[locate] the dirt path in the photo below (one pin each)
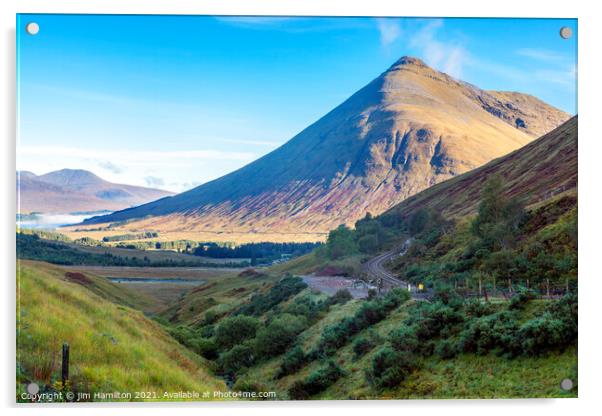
(331, 284)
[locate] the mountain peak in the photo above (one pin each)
(410, 60)
(71, 177)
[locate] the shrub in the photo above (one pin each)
(239, 357)
(341, 297)
(317, 381)
(275, 338)
(335, 336)
(404, 339)
(447, 296)
(446, 349)
(246, 385)
(430, 320)
(281, 291)
(210, 318)
(395, 298)
(543, 334)
(566, 311)
(390, 367)
(340, 243)
(305, 306)
(485, 334)
(364, 344)
(520, 299)
(207, 331)
(476, 308)
(294, 360)
(234, 330)
(370, 313)
(205, 347)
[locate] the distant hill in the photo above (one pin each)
(408, 129)
(76, 190)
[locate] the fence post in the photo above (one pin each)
(65, 367)
(548, 288)
(567, 286)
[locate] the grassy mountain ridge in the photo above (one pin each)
(541, 169)
(408, 129)
(113, 347)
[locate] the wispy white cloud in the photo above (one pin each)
(250, 21)
(447, 56)
(110, 166)
(566, 77)
(154, 181)
(540, 54)
(172, 170)
(389, 29)
(135, 156)
(252, 142)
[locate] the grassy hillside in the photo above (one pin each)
(113, 347)
(219, 296)
(465, 375)
(501, 321)
(543, 168)
(304, 345)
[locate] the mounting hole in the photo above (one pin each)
(566, 32)
(32, 28)
(566, 384)
(33, 388)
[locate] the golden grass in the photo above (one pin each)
(166, 234)
(160, 295)
(113, 347)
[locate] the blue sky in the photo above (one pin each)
(175, 101)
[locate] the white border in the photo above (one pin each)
(590, 153)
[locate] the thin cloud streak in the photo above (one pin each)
(540, 54)
(389, 29)
(131, 155)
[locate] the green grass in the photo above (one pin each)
(310, 263)
(113, 347)
(220, 295)
(465, 376)
(490, 377)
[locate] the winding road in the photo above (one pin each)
(375, 267)
(376, 270)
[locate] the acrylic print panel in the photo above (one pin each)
(294, 208)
